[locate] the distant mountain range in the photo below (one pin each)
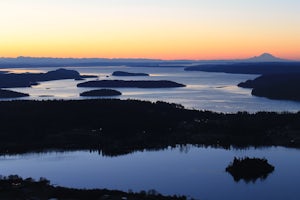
(64, 62)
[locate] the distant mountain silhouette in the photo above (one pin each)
(133, 62)
(265, 57)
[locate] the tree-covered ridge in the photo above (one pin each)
(122, 126)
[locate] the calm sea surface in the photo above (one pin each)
(193, 171)
(204, 91)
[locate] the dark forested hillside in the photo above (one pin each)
(121, 126)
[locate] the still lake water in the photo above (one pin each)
(205, 91)
(193, 171)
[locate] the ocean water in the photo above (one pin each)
(204, 90)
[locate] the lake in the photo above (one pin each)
(197, 172)
(205, 91)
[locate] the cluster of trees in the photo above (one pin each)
(249, 169)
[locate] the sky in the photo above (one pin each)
(164, 29)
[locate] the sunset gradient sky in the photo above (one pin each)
(166, 29)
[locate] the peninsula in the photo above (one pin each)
(11, 94)
(275, 86)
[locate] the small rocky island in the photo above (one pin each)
(275, 86)
(121, 73)
(130, 84)
(5, 94)
(249, 169)
(101, 93)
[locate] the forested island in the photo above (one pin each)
(11, 80)
(121, 73)
(101, 93)
(130, 84)
(249, 169)
(117, 127)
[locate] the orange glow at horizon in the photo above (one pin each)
(191, 29)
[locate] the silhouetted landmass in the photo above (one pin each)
(101, 93)
(275, 86)
(130, 84)
(249, 169)
(14, 187)
(10, 80)
(250, 68)
(117, 127)
(11, 94)
(121, 73)
(24, 62)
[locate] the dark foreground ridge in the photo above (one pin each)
(249, 169)
(275, 86)
(4, 94)
(250, 68)
(121, 73)
(10, 80)
(117, 127)
(101, 93)
(130, 84)
(14, 187)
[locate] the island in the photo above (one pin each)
(249, 169)
(130, 84)
(121, 73)
(15, 187)
(275, 86)
(11, 80)
(101, 93)
(11, 94)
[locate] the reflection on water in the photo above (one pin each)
(188, 170)
(204, 91)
